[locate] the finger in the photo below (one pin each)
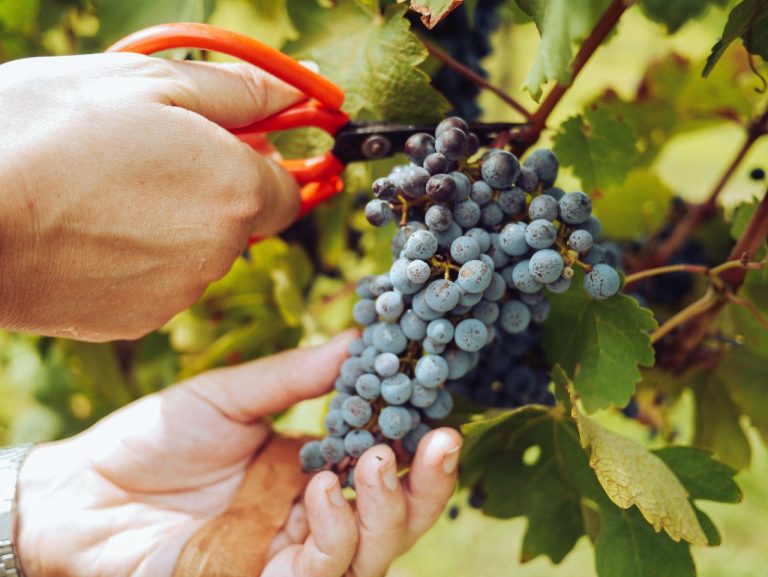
(431, 480)
(251, 390)
(329, 549)
(231, 94)
(381, 512)
(294, 532)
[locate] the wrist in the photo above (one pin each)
(11, 460)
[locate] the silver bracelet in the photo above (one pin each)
(11, 459)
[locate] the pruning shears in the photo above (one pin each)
(354, 141)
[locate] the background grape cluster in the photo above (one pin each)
(481, 240)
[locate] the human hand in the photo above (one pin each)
(123, 498)
(122, 195)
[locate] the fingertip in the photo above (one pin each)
(370, 466)
(438, 445)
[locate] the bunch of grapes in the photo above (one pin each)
(480, 243)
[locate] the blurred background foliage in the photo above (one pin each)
(299, 288)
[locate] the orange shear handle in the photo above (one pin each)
(318, 174)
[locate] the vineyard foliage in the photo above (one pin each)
(697, 335)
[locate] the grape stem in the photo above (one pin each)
(472, 76)
(713, 273)
(703, 312)
(700, 213)
(735, 299)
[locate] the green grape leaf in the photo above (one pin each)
(643, 195)
(265, 20)
(702, 476)
(518, 460)
(632, 475)
(599, 146)
(744, 373)
(708, 526)
(432, 11)
(118, 18)
(375, 59)
(748, 20)
(599, 343)
(628, 547)
(741, 217)
(674, 14)
(561, 24)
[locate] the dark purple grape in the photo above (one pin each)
(419, 146)
(436, 163)
(452, 143)
(441, 187)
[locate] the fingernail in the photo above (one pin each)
(335, 495)
(389, 476)
(451, 460)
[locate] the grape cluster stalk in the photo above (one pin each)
(481, 241)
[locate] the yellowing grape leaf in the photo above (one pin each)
(432, 11)
(599, 343)
(631, 475)
(599, 145)
(375, 58)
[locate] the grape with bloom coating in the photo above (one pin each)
(470, 335)
(545, 164)
(515, 316)
(540, 234)
(357, 411)
(474, 276)
(387, 364)
(465, 248)
(500, 168)
(512, 239)
(602, 282)
(419, 146)
(442, 406)
(442, 295)
(378, 212)
(523, 279)
(357, 442)
(580, 240)
(389, 338)
(397, 389)
(575, 207)
(414, 436)
(412, 326)
(438, 217)
(390, 305)
(395, 422)
(422, 245)
(543, 206)
(368, 387)
(546, 265)
(311, 457)
(440, 331)
(431, 370)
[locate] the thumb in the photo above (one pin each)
(229, 94)
(252, 390)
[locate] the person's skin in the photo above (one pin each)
(121, 499)
(123, 195)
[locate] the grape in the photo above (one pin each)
(380, 284)
(414, 437)
(390, 305)
(554, 192)
(400, 280)
(384, 189)
(357, 411)
(422, 309)
(466, 213)
(378, 212)
(441, 187)
(422, 244)
(481, 192)
(364, 312)
(396, 390)
(522, 278)
(580, 240)
(463, 186)
(528, 180)
(498, 257)
(432, 347)
(412, 326)
(496, 289)
(602, 282)
(389, 338)
(444, 239)
(335, 424)
(595, 255)
(356, 347)
(512, 239)
(540, 234)
(500, 168)
(458, 363)
(451, 122)
(357, 442)
(332, 449)
(337, 401)
(363, 288)
(532, 298)
(415, 414)
(474, 277)
(481, 237)
(491, 215)
(431, 370)
(351, 369)
(612, 254)
(757, 174)
(470, 335)
(418, 272)
(395, 422)
(453, 143)
(512, 201)
(575, 207)
(442, 295)
(543, 206)
(436, 163)
(473, 143)
(545, 164)
(414, 182)
(350, 476)
(592, 226)
(387, 364)
(440, 331)
(419, 146)
(546, 265)
(438, 217)
(311, 457)
(540, 311)
(515, 316)
(442, 406)
(560, 285)
(464, 249)
(486, 312)
(469, 300)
